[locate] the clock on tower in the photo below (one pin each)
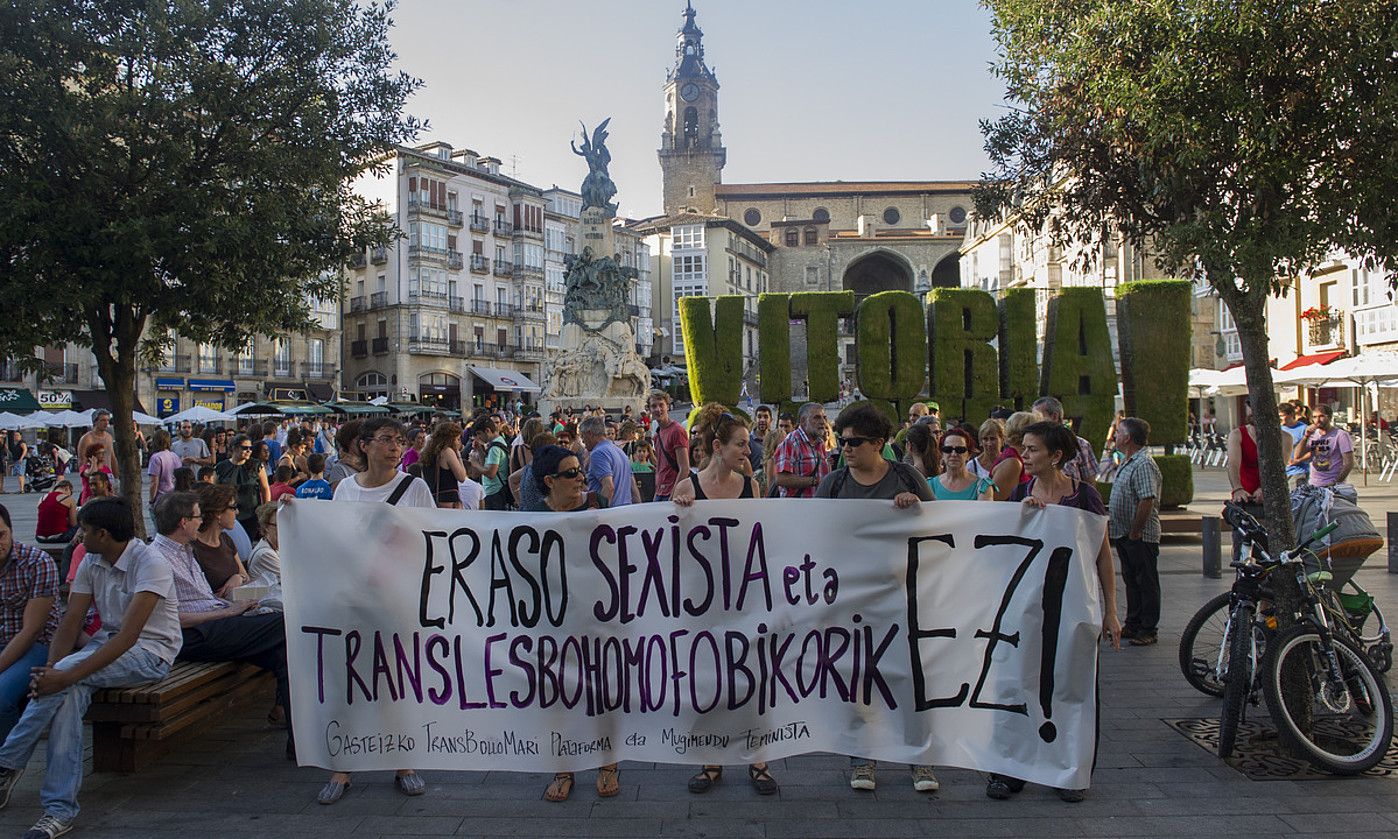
(691, 148)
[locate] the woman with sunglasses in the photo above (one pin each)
(380, 445)
(249, 482)
(562, 484)
(956, 482)
(1045, 448)
(862, 430)
(723, 448)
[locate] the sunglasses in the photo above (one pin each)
(854, 442)
(954, 450)
(245, 448)
(570, 474)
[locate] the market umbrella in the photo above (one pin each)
(200, 414)
(1362, 370)
(9, 421)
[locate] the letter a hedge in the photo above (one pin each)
(1153, 335)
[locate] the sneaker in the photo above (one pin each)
(410, 784)
(47, 827)
(1000, 787)
(1072, 796)
(924, 780)
(862, 776)
(8, 779)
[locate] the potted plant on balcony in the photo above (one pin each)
(1319, 314)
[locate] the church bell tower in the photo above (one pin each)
(691, 147)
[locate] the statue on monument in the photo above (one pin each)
(599, 364)
(597, 188)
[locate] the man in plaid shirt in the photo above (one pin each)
(801, 460)
(1083, 466)
(1134, 528)
(28, 578)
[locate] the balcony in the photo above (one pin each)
(381, 346)
(458, 347)
(530, 351)
(282, 368)
(359, 349)
(252, 368)
(505, 310)
(10, 372)
(426, 252)
(59, 373)
(317, 371)
(494, 350)
(503, 228)
(170, 364)
(1327, 332)
(479, 264)
(359, 260)
(457, 304)
(529, 270)
(378, 300)
(209, 365)
(427, 298)
(479, 223)
(455, 261)
(532, 311)
(421, 345)
(358, 304)
(480, 307)
(378, 256)
(504, 268)
(454, 218)
(415, 205)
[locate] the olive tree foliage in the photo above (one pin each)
(185, 166)
(1244, 141)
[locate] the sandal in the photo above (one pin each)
(762, 780)
(607, 783)
(560, 788)
(705, 780)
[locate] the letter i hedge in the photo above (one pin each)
(821, 310)
(961, 323)
(1153, 335)
(713, 348)
(892, 349)
(1078, 366)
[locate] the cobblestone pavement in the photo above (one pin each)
(232, 781)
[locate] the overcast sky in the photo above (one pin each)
(811, 91)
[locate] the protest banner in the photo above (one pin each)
(952, 634)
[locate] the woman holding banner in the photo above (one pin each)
(560, 479)
(956, 482)
(723, 441)
(1046, 448)
(380, 445)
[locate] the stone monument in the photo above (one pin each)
(598, 364)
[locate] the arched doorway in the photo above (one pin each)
(878, 271)
(947, 274)
(439, 390)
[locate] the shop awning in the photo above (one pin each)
(506, 379)
(88, 399)
(355, 409)
(410, 408)
(18, 400)
(302, 410)
(1314, 358)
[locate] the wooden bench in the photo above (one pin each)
(130, 726)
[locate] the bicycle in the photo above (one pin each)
(1349, 722)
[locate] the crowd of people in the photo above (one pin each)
(135, 608)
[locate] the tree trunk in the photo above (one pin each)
(116, 332)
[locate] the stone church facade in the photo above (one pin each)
(865, 236)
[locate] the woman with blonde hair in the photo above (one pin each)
(442, 468)
(1008, 469)
(991, 437)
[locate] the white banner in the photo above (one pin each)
(956, 634)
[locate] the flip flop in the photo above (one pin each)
(560, 788)
(608, 784)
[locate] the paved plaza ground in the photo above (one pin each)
(231, 780)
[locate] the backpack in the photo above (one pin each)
(503, 473)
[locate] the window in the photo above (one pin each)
(688, 236)
(315, 355)
(281, 358)
(793, 237)
(382, 329)
(892, 216)
(810, 234)
(821, 215)
(957, 215)
(374, 384)
(208, 358)
(752, 217)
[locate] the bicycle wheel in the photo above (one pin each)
(1343, 728)
(1237, 679)
(1202, 643)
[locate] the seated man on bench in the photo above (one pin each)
(213, 628)
(140, 637)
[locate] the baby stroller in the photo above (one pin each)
(38, 469)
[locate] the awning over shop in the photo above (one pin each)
(410, 408)
(18, 400)
(356, 409)
(506, 379)
(303, 410)
(1314, 358)
(89, 399)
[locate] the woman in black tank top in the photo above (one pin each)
(727, 474)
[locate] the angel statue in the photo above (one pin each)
(597, 187)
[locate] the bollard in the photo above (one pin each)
(1213, 547)
(1393, 543)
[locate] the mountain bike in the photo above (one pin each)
(1329, 701)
